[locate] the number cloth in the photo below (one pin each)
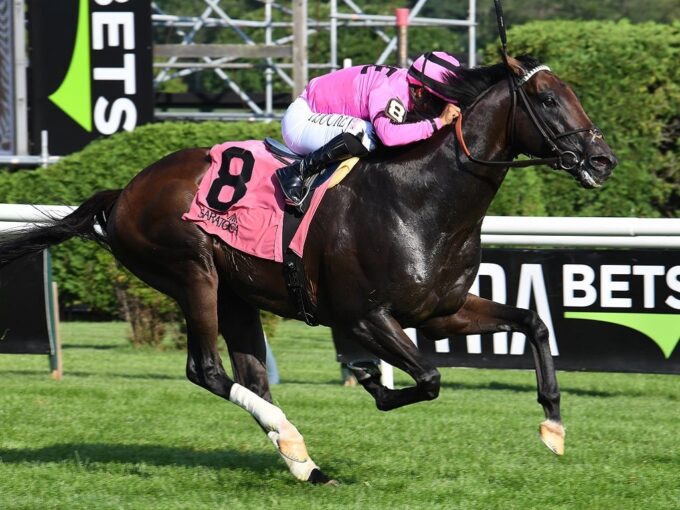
(377, 95)
(239, 201)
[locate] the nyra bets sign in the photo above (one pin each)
(91, 69)
(605, 310)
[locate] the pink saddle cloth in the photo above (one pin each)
(239, 201)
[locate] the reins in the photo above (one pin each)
(565, 159)
(486, 162)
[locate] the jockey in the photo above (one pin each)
(340, 115)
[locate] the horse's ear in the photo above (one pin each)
(516, 66)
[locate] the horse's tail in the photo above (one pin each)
(80, 223)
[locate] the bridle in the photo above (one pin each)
(564, 159)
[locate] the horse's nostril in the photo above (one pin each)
(602, 162)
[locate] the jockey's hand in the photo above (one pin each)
(449, 114)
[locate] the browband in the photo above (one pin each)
(526, 77)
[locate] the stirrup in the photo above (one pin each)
(291, 201)
(284, 179)
(365, 370)
(302, 204)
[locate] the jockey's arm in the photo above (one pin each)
(393, 133)
(388, 115)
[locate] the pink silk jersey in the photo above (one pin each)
(378, 94)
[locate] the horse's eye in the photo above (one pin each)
(549, 102)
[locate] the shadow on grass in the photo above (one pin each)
(112, 375)
(493, 385)
(566, 390)
(94, 347)
(85, 454)
(117, 375)
(529, 388)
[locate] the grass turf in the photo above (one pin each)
(124, 429)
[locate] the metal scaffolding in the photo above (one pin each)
(276, 57)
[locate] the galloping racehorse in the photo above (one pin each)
(395, 245)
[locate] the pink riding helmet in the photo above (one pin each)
(430, 69)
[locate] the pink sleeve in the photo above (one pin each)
(393, 133)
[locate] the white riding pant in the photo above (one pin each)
(305, 131)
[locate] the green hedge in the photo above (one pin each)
(86, 273)
(628, 79)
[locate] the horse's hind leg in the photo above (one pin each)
(382, 335)
(204, 365)
(479, 316)
(239, 323)
(191, 278)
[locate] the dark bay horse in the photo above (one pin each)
(394, 245)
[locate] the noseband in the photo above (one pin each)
(565, 159)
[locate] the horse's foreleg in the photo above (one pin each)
(381, 334)
(479, 316)
(286, 438)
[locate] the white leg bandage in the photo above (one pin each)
(266, 414)
(288, 441)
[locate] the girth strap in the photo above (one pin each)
(294, 269)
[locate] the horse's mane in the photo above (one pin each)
(465, 85)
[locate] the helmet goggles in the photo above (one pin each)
(430, 70)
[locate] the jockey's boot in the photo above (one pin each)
(292, 177)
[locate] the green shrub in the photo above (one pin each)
(88, 274)
(628, 79)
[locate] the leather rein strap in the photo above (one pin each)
(516, 164)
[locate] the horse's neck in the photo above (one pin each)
(468, 188)
(485, 130)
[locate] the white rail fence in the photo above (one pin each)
(590, 232)
(598, 232)
(17, 216)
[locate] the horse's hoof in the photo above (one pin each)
(350, 382)
(552, 434)
(319, 477)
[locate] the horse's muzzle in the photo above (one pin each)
(596, 169)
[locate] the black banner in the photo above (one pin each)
(91, 69)
(25, 307)
(606, 311)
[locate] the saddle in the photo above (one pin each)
(238, 202)
(279, 149)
